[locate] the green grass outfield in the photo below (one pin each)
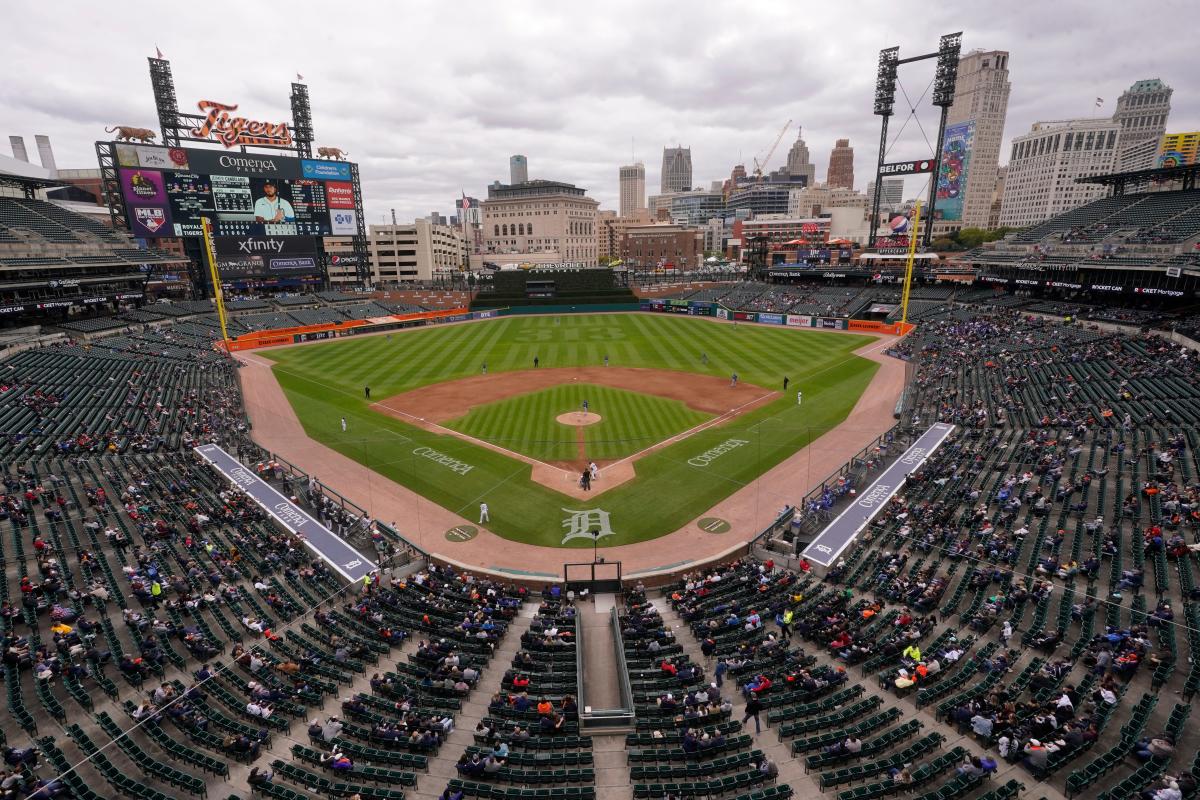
(324, 382)
(630, 422)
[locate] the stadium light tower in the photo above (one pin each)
(885, 103)
(886, 77)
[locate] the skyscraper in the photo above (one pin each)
(1142, 112)
(676, 169)
(891, 195)
(633, 188)
(981, 104)
(798, 162)
(518, 170)
(1040, 180)
(841, 165)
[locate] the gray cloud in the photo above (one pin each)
(432, 98)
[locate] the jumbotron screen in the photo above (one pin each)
(168, 191)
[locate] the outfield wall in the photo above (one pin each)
(697, 309)
(352, 327)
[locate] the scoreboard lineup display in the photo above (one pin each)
(168, 191)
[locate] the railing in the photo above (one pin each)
(837, 479)
(783, 521)
(298, 475)
(580, 679)
(606, 718)
(622, 669)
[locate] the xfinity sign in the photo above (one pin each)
(261, 245)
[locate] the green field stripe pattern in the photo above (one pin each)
(630, 422)
(324, 382)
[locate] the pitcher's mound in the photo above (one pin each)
(577, 418)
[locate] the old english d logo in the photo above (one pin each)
(150, 218)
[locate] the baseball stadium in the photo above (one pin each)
(824, 520)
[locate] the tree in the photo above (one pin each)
(973, 237)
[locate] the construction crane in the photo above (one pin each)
(759, 166)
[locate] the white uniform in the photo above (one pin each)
(483, 513)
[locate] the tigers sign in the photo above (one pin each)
(231, 131)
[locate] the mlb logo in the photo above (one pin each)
(150, 218)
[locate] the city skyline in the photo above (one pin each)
(571, 108)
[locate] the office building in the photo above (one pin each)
(664, 244)
(891, 197)
(633, 188)
(841, 165)
(676, 169)
(1142, 112)
(981, 103)
(696, 207)
(518, 170)
(799, 165)
(816, 201)
(761, 198)
(1040, 181)
(540, 216)
(415, 252)
(611, 227)
(997, 199)
(1178, 149)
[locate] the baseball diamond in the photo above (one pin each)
(669, 416)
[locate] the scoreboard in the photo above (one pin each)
(169, 191)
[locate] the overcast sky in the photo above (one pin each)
(432, 98)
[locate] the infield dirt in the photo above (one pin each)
(429, 406)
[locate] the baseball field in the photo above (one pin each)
(463, 415)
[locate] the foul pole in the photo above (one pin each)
(908, 268)
(211, 255)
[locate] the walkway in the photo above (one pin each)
(599, 653)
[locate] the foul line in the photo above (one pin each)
(730, 414)
(460, 435)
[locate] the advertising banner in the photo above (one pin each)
(253, 165)
(339, 195)
(746, 316)
(771, 319)
(871, 325)
(830, 324)
(343, 222)
(952, 176)
(723, 313)
(799, 320)
(140, 155)
(146, 202)
(917, 167)
(252, 256)
(324, 170)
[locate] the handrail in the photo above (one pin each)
(383, 527)
(626, 688)
(580, 682)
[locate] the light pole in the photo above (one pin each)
(595, 547)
